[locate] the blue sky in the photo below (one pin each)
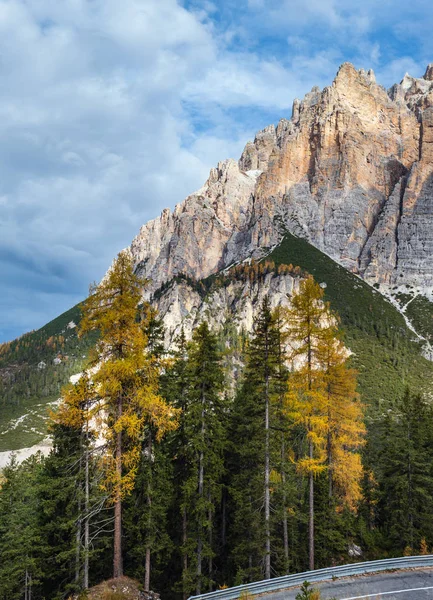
(112, 110)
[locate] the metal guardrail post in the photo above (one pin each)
(288, 581)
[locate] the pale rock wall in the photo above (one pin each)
(239, 302)
(351, 172)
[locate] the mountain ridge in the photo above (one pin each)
(297, 196)
(351, 172)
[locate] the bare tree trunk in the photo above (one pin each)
(185, 555)
(117, 562)
(330, 486)
(411, 540)
(329, 449)
(267, 486)
(27, 586)
(149, 523)
(311, 514)
(200, 495)
(224, 520)
(285, 527)
(78, 549)
(147, 571)
(282, 383)
(78, 532)
(86, 512)
(200, 541)
(210, 545)
(311, 455)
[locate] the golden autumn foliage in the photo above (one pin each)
(255, 271)
(127, 373)
(306, 321)
(79, 404)
(344, 413)
(121, 395)
(423, 548)
(322, 394)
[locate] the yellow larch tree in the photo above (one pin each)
(322, 399)
(308, 322)
(345, 426)
(125, 378)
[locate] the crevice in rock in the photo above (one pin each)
(403, 185)
(397, 174)
(421, 134)
(314, 144)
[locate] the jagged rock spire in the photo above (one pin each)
(351, 171)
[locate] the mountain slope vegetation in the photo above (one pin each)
(387, 354)
(33, 369)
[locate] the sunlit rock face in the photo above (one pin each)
(351, 171)
(182, 308)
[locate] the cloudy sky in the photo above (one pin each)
(111, 110)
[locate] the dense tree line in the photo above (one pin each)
(194, 485)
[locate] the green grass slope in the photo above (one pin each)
(385, 351)
(420, 312)
(27, 390)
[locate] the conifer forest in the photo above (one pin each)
(190, 470)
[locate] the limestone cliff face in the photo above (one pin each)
(235, 304)
(351, 171)
(200, 236)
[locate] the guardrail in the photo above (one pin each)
(287, 581)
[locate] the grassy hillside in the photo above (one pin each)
(33, 369)
(386, 352)
(420, 311)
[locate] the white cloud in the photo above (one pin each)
(394, 71)
(112, 110)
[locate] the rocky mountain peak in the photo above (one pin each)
(348, 75)
(415, 92)
(428, 75)
(350, 171)
(256, 154)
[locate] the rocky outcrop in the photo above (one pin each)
(256, 154)
(351, 172)
(236, 303)
(121, 588)
(204, 233)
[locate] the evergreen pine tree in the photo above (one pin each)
(205, 432)
(146, 518)
(283, 472)
(81, 404)
(405, 475)
(60, 499)
(175, 386)
(253, 450)
(147, 536)
(20, 541)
